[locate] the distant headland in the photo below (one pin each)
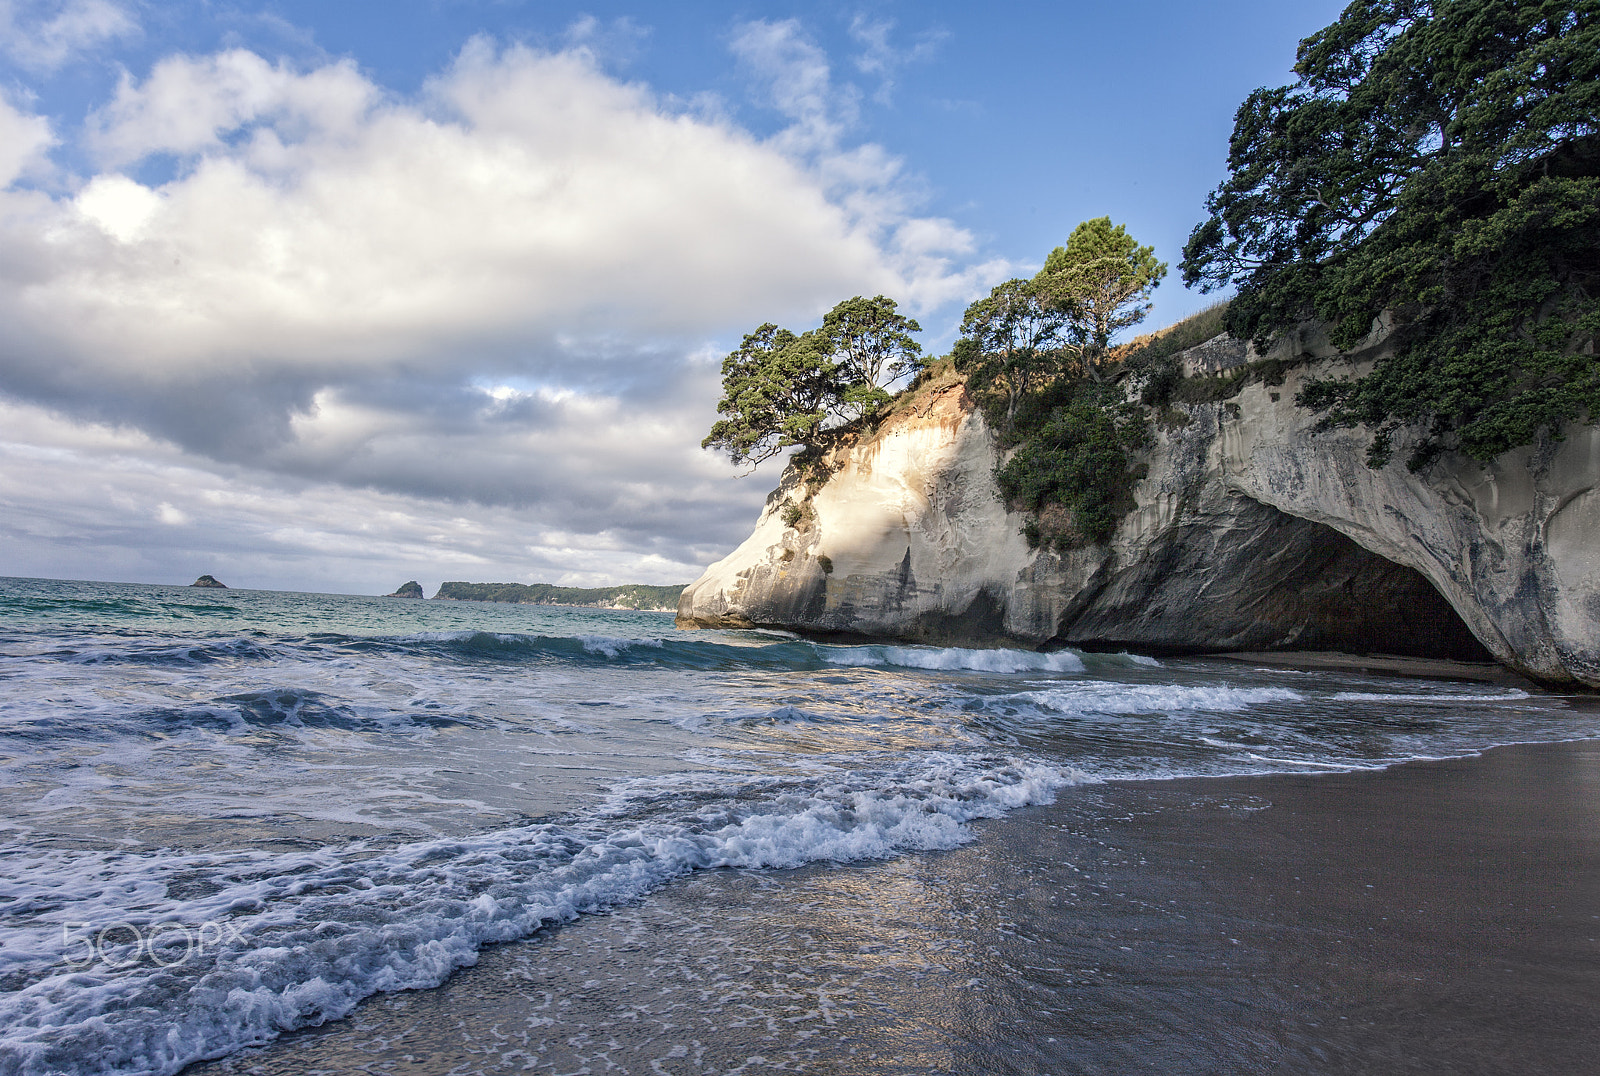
(629, 596)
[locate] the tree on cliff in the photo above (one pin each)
(1014, 341)
(780, 390)
(1438, 160)
(871, 341)
(1028, 333)
(1102, 279)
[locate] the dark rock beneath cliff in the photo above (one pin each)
(210, 582)
(1270, 581)
(412, 589)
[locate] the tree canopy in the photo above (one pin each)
(781, 390)
(1102, 280)
(871, 341)
(1059, 323)
(1438, 161)
(1014, 341)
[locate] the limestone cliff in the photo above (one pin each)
(1250, 531)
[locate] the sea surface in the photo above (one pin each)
(226, 815)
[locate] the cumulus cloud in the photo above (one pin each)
(507, 290)
(24, 140)
(41, 36)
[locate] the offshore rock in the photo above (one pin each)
(1250, 531)
(208, 581)
(412, 589)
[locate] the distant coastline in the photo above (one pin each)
(639, 596)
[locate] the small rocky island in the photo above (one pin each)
(412, 589)
(210, 582)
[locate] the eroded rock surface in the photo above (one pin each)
(1250, 531)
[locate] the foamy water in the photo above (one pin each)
(232, 814)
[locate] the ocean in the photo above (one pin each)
(232, 817)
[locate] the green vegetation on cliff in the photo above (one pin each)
(780, 390)
(1038, 355)
(1437, 162)
(629, 596)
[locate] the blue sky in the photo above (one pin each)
(316, 296)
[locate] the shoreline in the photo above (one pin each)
(1490, 672)
(1430, 917)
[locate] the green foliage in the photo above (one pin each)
(781, 390)
(825, 562)
(628, 596)
(1438, 160)
(1013, 342)
(1079, 459)
(1059, 324)
(791, 513)
(1035, 352)
(778, 391)
(871, 341)
(1102, 279)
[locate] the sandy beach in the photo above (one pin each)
(1436, 917)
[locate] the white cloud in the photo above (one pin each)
(122, 208)
(42, 36)
(89, 501)
(884, 60)
(24, 141)
(864, 179)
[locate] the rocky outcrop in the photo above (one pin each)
(1250, 532)
(412, 589)
(210, 583)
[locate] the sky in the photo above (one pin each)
(327, 297)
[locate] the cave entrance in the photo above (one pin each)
(1266, 580)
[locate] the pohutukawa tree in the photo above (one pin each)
(781, 390)
(871, 341)
(1438, 160)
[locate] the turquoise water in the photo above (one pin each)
(229, 814)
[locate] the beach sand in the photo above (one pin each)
(1436, 917)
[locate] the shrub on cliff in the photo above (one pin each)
(1439, 160)
(1079, 458)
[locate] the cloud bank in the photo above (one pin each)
(508, 291)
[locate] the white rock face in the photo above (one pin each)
(1250, 531)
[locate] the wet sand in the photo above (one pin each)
(1436, 917)
(1382, 664)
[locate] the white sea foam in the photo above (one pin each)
(308, 935)
(1141, 659)
(1110, 697)
(953, 657)
(613, 647)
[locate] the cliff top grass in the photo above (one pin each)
(1180, 336)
